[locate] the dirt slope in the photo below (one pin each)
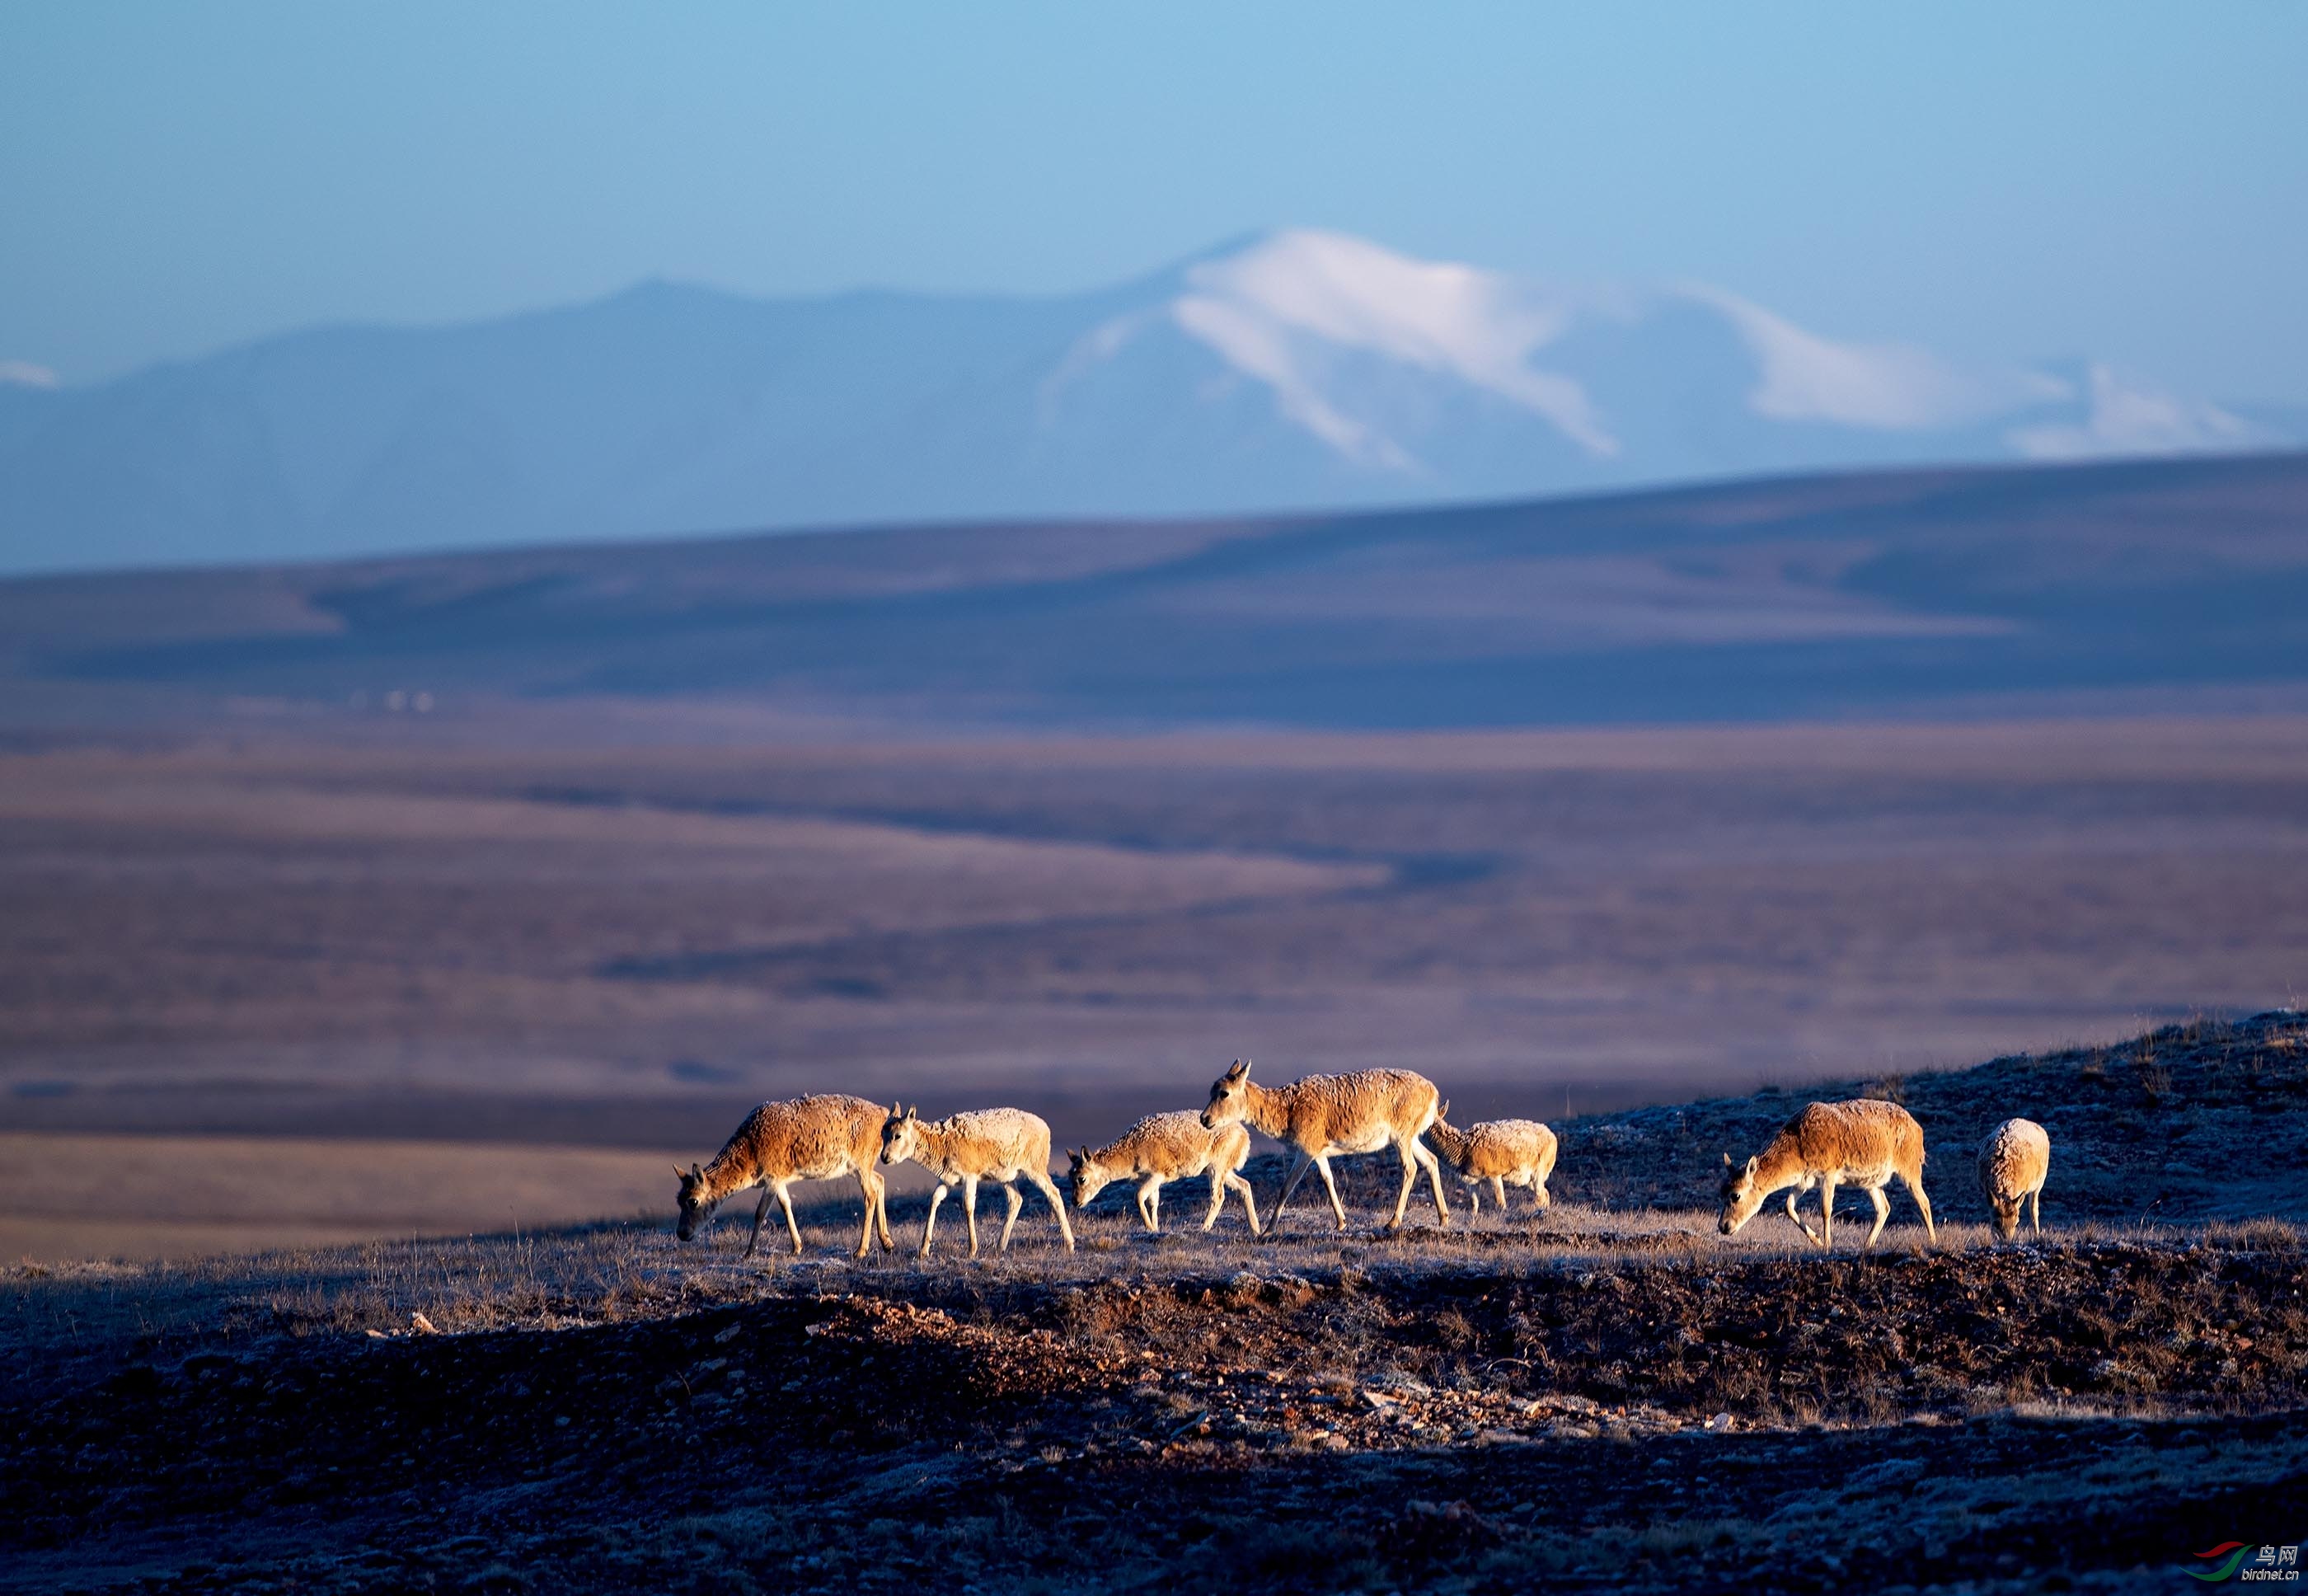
(1616, 1397)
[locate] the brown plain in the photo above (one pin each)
(631, 946)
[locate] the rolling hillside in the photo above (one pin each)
(1940, 592)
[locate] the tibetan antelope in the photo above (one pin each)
(1323, 1115)
(996, 1144)
(2014, 1162)
(803, 1138)
(1502, 1152)
(1862, 1143)
(1167, 1147)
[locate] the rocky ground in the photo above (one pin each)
(2207, 1120)
(1613, 1396)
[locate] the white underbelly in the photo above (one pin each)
(1369, 1141)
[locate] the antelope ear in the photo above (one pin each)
(1726, 1160)
(1444, 1112)
(696, 1172)
(679, 1173)
(1753, 1164)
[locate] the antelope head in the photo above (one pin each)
(1085, 1176)
(1230, 1096)
(696, 1208)
(1743, 1194)
(898, 1140)
(2007, 1214)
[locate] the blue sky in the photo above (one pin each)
(1997, 180)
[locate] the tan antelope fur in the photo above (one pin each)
(1502, 1152)
(1323, 1116)
(2014, 1162)
(803, 1138)
(996, 1144)
(1167, 1147)
(1862, 1143)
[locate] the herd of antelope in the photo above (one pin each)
(1862, 1143)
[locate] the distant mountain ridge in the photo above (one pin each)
(1291, 370)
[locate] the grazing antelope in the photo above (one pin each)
(1167, 1147)
(996, 1144)
(803, 1138)
(1323, 1115)
(1504, 1152)
(2014, 1162)
(1864, 1142)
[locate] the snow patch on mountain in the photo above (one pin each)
(2124, 415)
(1272, 310)
(1891, 387)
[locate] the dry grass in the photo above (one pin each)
(1437, 1411)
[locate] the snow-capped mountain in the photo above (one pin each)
(1295, 369)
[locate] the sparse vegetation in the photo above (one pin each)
(1610, 1392)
